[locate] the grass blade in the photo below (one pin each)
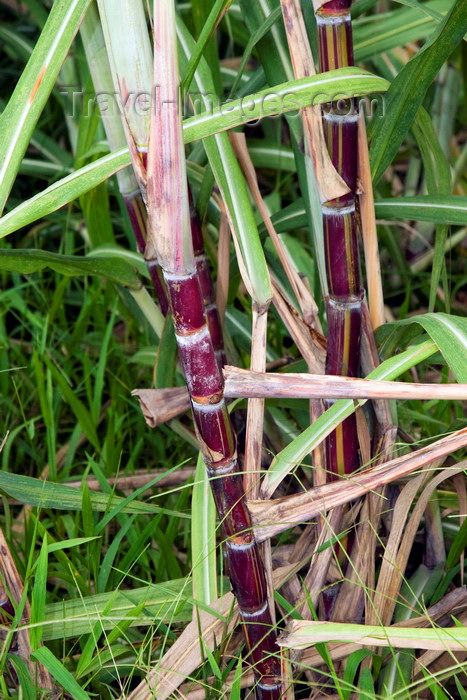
(60, 673)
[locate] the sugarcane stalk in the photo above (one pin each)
(170, 240)
(345, 295)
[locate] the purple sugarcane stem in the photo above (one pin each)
(340, 120)
(217, 442)
(138, 215)
(207, 287)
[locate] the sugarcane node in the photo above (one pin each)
(266, 691)
(344, 303)
(210, 400)
(223, 467)
(335, 8)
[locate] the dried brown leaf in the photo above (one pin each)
(274, 516)
(255, 414)
(161, 405)
(223, 266)
(330, 183)
(186, 654)
(401, 538)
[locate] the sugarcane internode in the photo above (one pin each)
(207, 287)
(334, 35)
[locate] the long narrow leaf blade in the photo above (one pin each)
(20, 117)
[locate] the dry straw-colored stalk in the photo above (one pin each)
(241, 383)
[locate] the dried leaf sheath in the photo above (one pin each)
(340, 120)
(170, 239)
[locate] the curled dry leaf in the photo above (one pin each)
(161, 405)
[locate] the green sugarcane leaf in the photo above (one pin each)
(45, 494)
(79, 409)
(28, 688)
(273, 48)
(203, 537)
(209, 25)
(117, 252)
(437, 208)
(236, 687)
(169, 602)
(96, 211)
(22, 112)
(232, 185)
(409, 88)
(447, 209)
(438, 179)
(366, 685)
(385, 31)
(214, 666)
(290, 217)
(60, 673)
(37, 11)
(106, 565)
(281, 99)
(164, 368)
(88, 660)
(428, 8)
(352, 665)
(288, 97)
(448, 332)
(87, 513)
(87, 649)
(68, 544)
(274, 54)
(63, 191)
(202, 12)
(31, 260)
(100, 371)
(15, 44)
(461, 690)
(298, 449)
(273, 156)
(254, 38)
